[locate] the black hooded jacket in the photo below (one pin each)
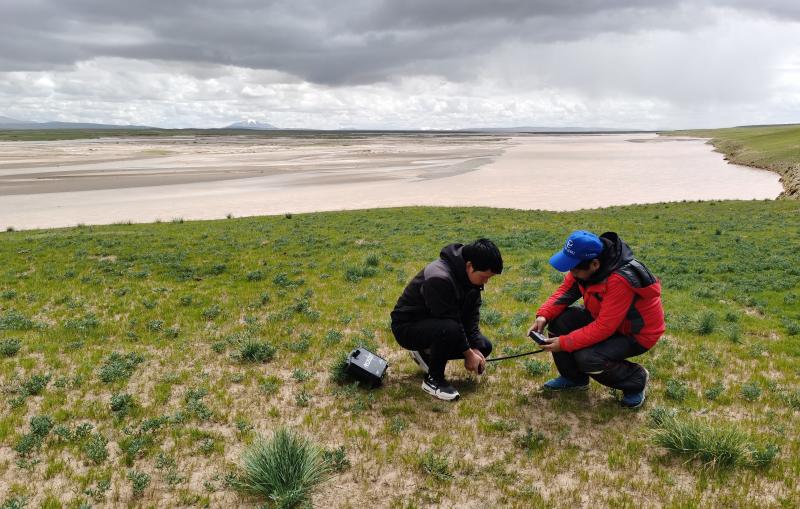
(442, 290)
(618, 257)
(615, 254)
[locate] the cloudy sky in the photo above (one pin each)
(437, 64)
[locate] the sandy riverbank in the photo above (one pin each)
(50, 184)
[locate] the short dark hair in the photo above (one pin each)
(484, 255)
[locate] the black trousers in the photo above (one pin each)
(440, 339)
(604, 361)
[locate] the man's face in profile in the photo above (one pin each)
(478, 277)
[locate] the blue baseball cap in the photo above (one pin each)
(580, 246)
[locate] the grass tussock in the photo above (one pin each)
(283, 469)
(721, 446)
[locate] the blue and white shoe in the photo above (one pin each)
(636, 399)
(563, 383)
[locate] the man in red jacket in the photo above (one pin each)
(621, 316)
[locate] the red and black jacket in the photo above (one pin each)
(623, 297)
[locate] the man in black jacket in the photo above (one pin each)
(437, 316)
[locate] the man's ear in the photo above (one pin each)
(469, 267)
(595, 264)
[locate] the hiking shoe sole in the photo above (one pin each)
(561, 389)
(566, 389)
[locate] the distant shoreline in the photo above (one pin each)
(772, 148)
(147, 132)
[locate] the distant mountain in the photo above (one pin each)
(12, 123)
(6, 121)
(251, 124)
(528, 129)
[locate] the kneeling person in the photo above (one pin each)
(622, 316)
(437, 316)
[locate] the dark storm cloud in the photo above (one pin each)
(345, 42)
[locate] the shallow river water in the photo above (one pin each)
(51, 184)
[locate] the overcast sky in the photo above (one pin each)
(402, 64)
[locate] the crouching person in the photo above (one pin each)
(621, 316)
(437, 315)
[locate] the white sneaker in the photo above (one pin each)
(439, 389)
(419, 358)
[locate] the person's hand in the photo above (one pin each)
(538, 325)
(554, 345)
(482, 365)
(474, 361)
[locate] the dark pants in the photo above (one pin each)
(440, 339)
(603, 361)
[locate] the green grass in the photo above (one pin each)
(165, 350)
(775, 148)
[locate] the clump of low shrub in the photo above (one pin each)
(255, 275)
(301, 345)
(270, 385)
(338, 369)
(195, 405)
(83, 324)
(355, 274)
(792, 399)
(122, 404)
(436, 466)
(658, 415)
(18, 502)
(34, 385)
(212, 312)
(303, 398)
(491, 317)
(283, 280)
(9, 347)
(531, 441)
(333, 336)
(14, 320)
(704, 323)
(95, 448)
(119, 367)
(336, 459)
(40, 428)
(714, 391)
(251, 350)
(792, 327)
(535, 367)
(750, 391)
(676, 389)
(139, 482)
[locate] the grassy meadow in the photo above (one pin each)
(138, 363)
(772, 147)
